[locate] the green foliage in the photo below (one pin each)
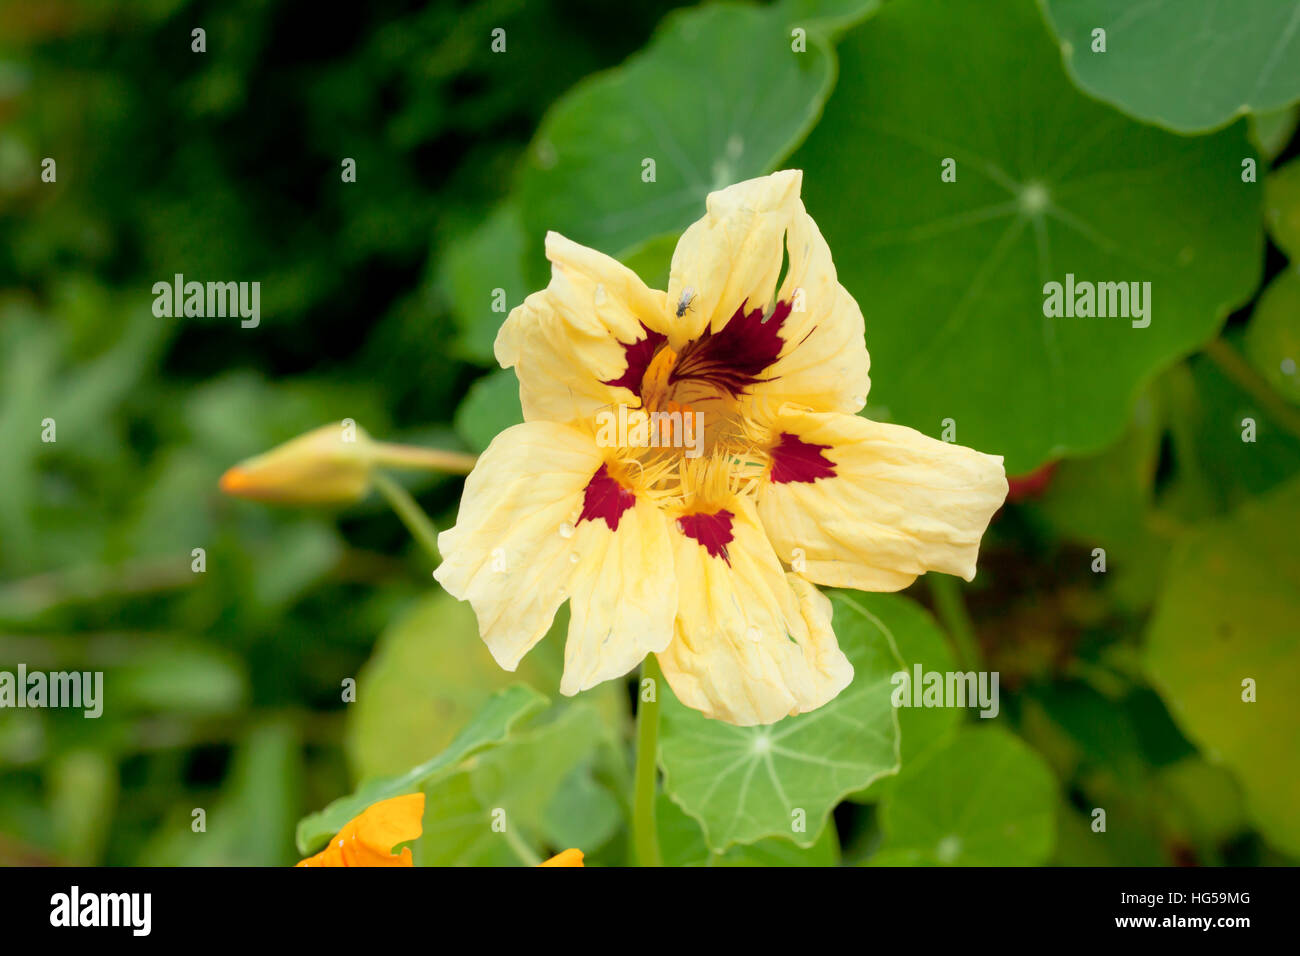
(951, 275)
(981, 799)
(381, 301)
(427, 677)
(489, 258)
(491, 406)
(1190, 65)
(715, 98)
(683, 845)
(1272, 131)
(490, 726)
(918, 641)
(521, 801)
(1282, 207)
(746, 783)
(1222, 652)
(1272, 341)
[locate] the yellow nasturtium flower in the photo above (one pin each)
(368, 838)
(704, 548)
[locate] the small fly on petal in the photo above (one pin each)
(684, 303)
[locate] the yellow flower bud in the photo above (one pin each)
(329, 465)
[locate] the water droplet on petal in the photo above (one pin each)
(599, 297)
(566, 530)
(859, 399)
(573, 557)
(754, 633)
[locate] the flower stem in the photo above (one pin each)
(389, 455)
(951, 608)
(520, 848)
(1243, 374)
(412, 515)
(645, 835)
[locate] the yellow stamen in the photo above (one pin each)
(654, 383)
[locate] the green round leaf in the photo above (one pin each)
(919, 641)
(1273, 337)
(583, 813)
(682, 844)
(488, 259)
(1228, 615)
(491, 406)
(951, 276)
(1271, 131)
(717, 97)
(428, 676)
(746, 783)
(828, 16)
(499, 809)
(1103, 501)
(1210, 417)
(1189, 65)
(1282, 208)
(983, 799)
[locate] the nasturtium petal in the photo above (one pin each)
(718, 96)
(1188, 65)
(742, 784)
(951, 275)
(1227, 616)
(984, 798)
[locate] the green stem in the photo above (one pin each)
(1253, 384)
(412, 515)
(951, 608)
(522, 849)
(645, 835)
(390, 455)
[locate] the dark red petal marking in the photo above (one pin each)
(735, 357)
(639, 355)
(794, 459)
(711, 530)
(605, 498)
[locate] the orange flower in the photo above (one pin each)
(567, 858)
(368, 839)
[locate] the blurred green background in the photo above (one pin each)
(1121, 689)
